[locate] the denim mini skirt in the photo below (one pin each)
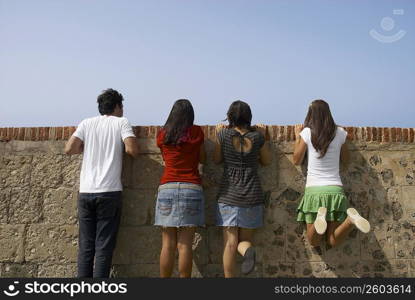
(237, 216)
(180, 204)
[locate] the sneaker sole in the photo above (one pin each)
(320, 223)
(248, 263)
(361, 223)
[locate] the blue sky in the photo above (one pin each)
(57, 56)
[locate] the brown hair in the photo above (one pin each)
(322, 126)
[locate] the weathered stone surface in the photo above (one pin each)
(376, 269)
(47, 170)
(407, 202)
(404, 240)
(15, 171)
(138, 245)
(4, 204)
(210, 205)
(51, 243)
(298, 248)
(278, 269)
(378, 243)
(14, 270)
(60, 206)
(47, 270)
(26, 205)
(12, 243)
(147, 169)
(328, 269)
(71, 170)
(270, 243)
(349, 250)
(138, 207)
(136, 270)
(215, 237)
(39, 185)
(147, 146)
(200, 247)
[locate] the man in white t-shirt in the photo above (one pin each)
(102, 140)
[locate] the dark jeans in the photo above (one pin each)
(99, 218)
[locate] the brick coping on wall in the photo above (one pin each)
(277, 133)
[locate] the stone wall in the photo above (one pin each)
(38, 204)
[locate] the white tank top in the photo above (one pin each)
(325, 170)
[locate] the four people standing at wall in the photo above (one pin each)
(101, 140)
(180, 200)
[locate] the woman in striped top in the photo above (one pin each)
(240, 199)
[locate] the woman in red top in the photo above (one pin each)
(180, 200)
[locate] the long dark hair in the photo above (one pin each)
(322, 126)
(239, 115)
(180, 119)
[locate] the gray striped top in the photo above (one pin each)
(240, 184)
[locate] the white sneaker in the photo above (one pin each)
(320, 223)
(361, 223)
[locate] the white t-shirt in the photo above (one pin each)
(325, 170)
(103, 138)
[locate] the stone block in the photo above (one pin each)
(47, 170)
(12, 243)
(270, 243)
(298, 249)
(51, 243)
(404, 240)
(15, 171)
(136, 271)
(378, 245)
(138, 245)
(147, 171)
(68, 270)
(26, 205)
(71, 171)
(278, 269)
(347, 251)
(60, 206)
(215, 238)
(408, 203)
(4, 204)
(138, 207)
(13, 270)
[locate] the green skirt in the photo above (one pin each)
(332, 197)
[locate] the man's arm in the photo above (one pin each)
(74, 146)
(131, 146)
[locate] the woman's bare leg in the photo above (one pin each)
(337, 233)
(245, 239)
(313, 237)
(230, 245)
(184, 246)
(168, 251)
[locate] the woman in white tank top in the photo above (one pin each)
(324, 205)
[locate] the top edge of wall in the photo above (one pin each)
(284, 133)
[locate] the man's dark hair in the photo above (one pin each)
(108, 100)
(239, 115)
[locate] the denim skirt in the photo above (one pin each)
(237, 216)
(180, 204)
